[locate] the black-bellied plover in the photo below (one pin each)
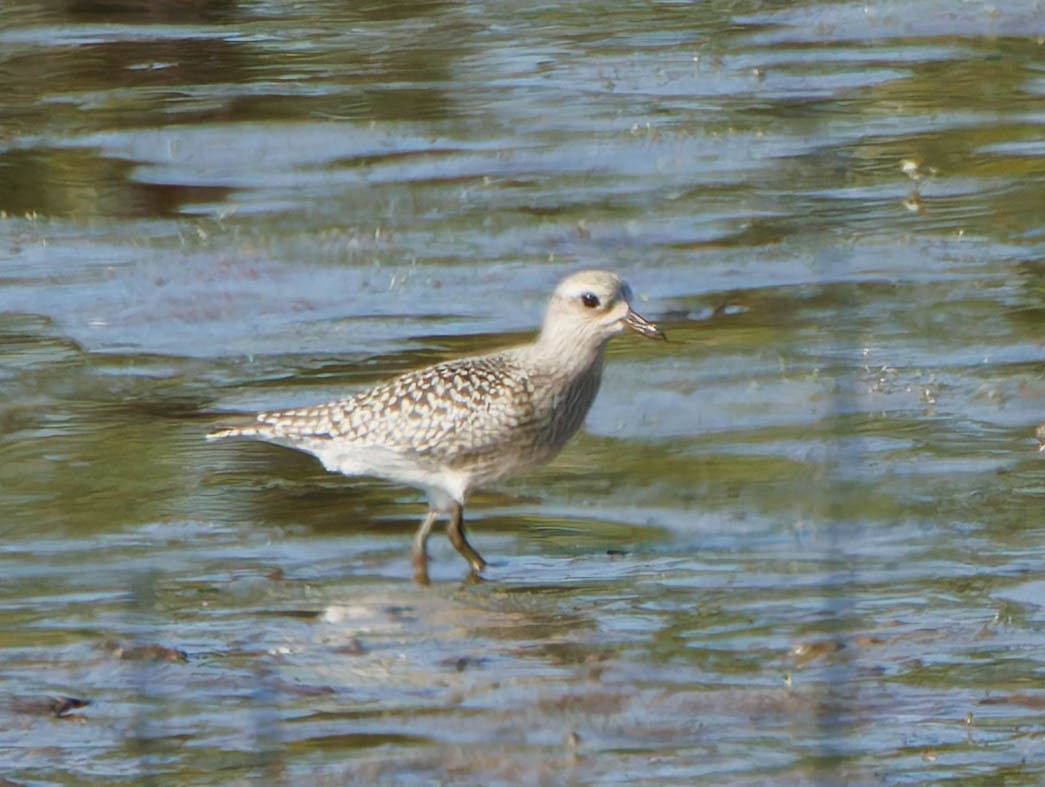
(449, 428)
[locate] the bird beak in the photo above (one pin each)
(642, 326)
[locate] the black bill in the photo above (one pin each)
(642, 326)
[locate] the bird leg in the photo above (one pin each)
(419, 554)
(456, 532)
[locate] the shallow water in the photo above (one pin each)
(799, 543)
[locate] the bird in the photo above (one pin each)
(449, 428)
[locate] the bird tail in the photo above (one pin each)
(254, 430)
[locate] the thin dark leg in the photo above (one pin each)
(456, 532)
(419, 554)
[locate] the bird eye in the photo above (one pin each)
(590, 299)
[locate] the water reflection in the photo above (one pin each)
(80, 184)
(150, 11)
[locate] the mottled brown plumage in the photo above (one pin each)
(454, 426)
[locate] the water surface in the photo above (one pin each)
(799, 543)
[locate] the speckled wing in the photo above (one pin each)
(450, 413)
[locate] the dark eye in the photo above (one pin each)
(590, 299)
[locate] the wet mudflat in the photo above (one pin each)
(799, 543)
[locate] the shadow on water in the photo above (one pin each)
(799, 543)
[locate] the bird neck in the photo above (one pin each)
(564, 353)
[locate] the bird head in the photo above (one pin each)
(590, 307)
